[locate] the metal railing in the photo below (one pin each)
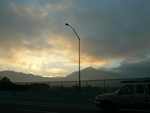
(105, 85)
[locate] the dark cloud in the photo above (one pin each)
(119, 30)
(22, 25)
(137, 68)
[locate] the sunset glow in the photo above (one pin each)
(34, 38)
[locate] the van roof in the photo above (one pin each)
(136, 80)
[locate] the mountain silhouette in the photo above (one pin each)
(21, 77)
(91, 73)
(88, 73)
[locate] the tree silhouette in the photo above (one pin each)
(5, 79)
(6, 84)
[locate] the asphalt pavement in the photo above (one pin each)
(24, 106)
(39, 106)
(11, 102)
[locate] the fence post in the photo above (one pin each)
(87, 85)
(104, 86)
(62, 86)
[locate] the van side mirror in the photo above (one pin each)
(119, 92)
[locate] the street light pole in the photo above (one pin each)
(79, 53)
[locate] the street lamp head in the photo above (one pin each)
(66, 24)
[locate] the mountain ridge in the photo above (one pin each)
(91, 73)
(88, 73)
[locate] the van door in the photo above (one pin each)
(148, 95)
(140, 96)
(125, 97)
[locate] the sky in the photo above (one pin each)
(114, 35)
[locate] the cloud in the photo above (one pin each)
(115, 32)
(56, 70)
(135, 68)
(109, 30)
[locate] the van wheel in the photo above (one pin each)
(107, 107)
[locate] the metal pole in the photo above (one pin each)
(79, 53)
(79, 68)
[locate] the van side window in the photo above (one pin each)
(127, 89)
(130, 90)
(139, 89)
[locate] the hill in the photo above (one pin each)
(21, 77)
(91, 73)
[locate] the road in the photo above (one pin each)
(40, 106)
(45, 106)
(16, 108)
